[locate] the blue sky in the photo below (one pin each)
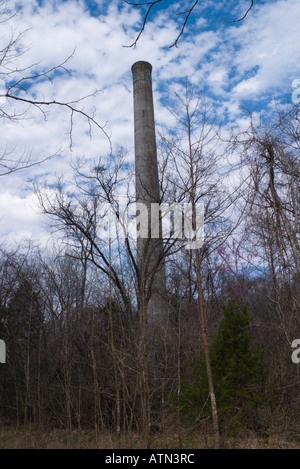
(252, 63)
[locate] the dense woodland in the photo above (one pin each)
(81, 351)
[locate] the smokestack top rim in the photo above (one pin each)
(141, 65)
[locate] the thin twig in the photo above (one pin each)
(243, 17)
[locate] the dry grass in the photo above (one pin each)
(35, 438)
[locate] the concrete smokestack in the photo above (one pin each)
(147, 183)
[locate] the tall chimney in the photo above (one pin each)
(147, 186)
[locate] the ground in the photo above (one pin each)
(35, 438)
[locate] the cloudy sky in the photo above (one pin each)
(249, 64)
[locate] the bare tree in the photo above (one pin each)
(193, 160)
(79, 217)
(271, 153)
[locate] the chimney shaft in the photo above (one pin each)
(147, 183)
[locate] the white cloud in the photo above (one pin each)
(234, 62)
(269, 47)
(20, 218)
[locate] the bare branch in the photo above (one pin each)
(243, 17)
(9, 166)
(187, 14)
(69, 105)
(151, 4)
(18, 84)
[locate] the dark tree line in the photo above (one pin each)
(79, 354)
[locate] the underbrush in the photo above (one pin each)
(33, 437)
